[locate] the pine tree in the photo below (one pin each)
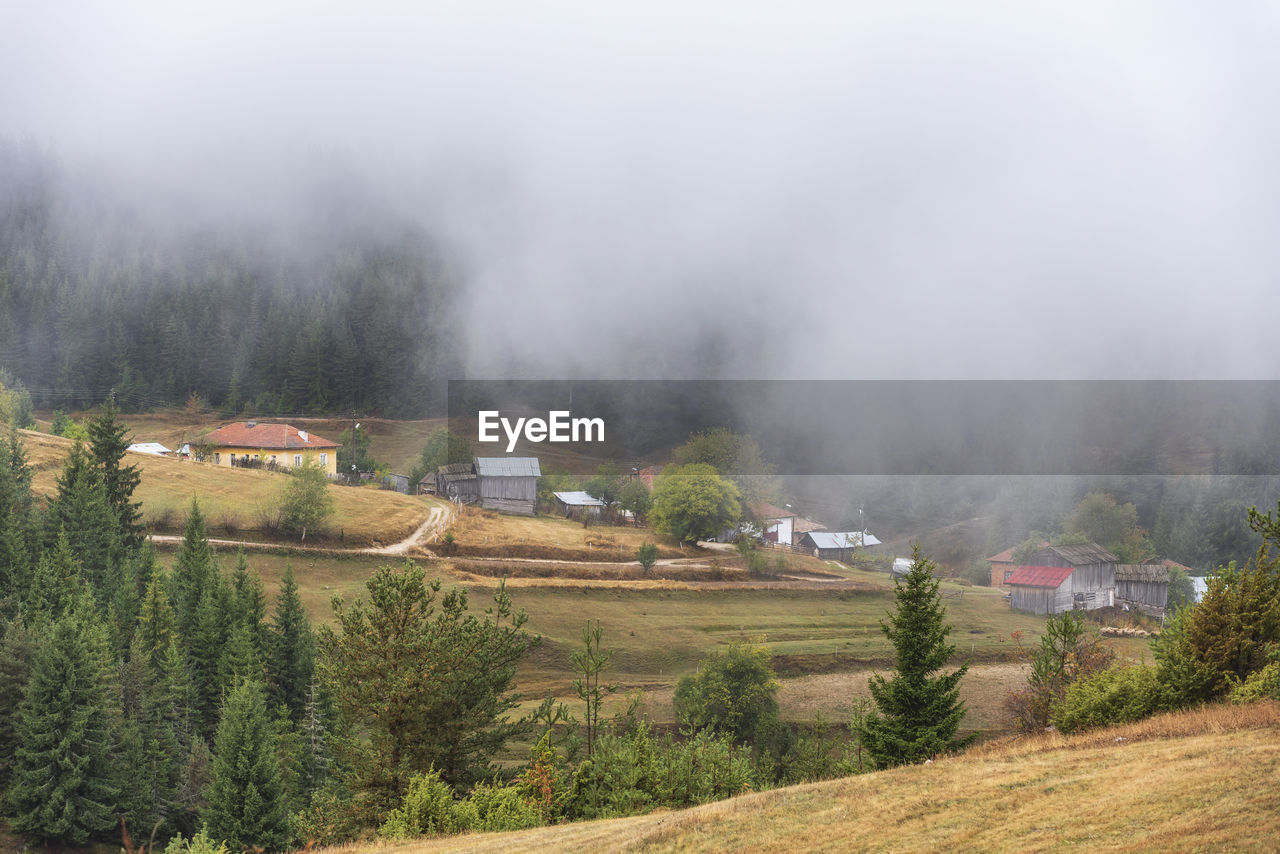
(16, 502)
(64, 788)
(292, 660)
(55, 586)
(246, 803)
(108, 444)
(918, 712)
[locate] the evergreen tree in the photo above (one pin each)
(108, 443)
(56, 584)
(16, 541)
(192, 570)
(429, 680)
(918, 712)
(292, 660)
(246, 802)
(82, 510)
(206, 648)
(250, 604)
(64, 788)
(157, 626)
(17, 645)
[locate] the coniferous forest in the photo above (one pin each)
(329, 317)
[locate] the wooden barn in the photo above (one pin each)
(1041, 589)
(1003, 565)
(508, 484)
(1145, 587)
(458, 482)
(837, 545)
(1093, 580)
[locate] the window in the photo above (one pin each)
(324, 459)
(297, 460)
(217, 459)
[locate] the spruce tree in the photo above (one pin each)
(250, 605)
(64, 788)
(246, 801)
(207, 646)
(17, 646)
(108, 444)
(917, 712)
(156, 622)
(81, 509)
(193, 568)
(292, 660)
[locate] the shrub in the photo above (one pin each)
(428, 807)
(1115, 696)
(733, 693)
(494, 808)
(198, 844)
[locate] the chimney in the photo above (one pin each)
(303, 434)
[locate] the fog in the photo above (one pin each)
(915, 190)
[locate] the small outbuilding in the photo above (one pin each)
(577, 504)
(837, 545)
(458, 482)
(775, 522)
(1145, 587)
(1041, 589)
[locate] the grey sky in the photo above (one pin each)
(888, 190)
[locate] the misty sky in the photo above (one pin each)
(943, 190)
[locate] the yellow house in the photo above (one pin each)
(250, 444)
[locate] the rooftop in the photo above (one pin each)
(255, 434)
(508, 467)
(1040, 576)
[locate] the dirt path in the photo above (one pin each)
(436, 520)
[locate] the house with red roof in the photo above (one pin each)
(253, 444)
(775, 522)
(1003, 565)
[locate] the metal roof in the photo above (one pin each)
(841, 539)
(508, 467)
(1040, 576)
(149, 448)
(578, 498)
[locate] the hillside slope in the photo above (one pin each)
(1204, 780)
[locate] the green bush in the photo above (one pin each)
(494, 808)
(1114, 696)
(198, 844)
(1262, 684)
(733, 693)
(428, 807)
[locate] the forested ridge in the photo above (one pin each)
(326, 315)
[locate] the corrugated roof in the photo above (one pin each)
(840, 539)
(1142, 572)
(1084, 555)
(454, 472)
(254, 434)
(1040, 576)
(578, 498)
(508, 467)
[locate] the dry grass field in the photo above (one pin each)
(236, 501)
(487, 533)
(1205, 780)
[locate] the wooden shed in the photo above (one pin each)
(1041, 589)
(577, 504)
(508, 484)
(1145, 587)
(458, 482)
(837, 545)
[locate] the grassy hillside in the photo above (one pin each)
(1202, 780)
(235, 501)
